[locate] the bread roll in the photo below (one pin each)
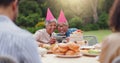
(54, 48)
(58, 52)
(63, 47)
(73, 46)
(70, 52)
(84, 51)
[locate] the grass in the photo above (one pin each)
(100, 34)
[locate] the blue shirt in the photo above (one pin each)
(70, 30)
(17, 43)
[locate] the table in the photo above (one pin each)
(51, 58)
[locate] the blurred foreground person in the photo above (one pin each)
(15, 42)
(7, 59)
(111, 45)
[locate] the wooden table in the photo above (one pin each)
(51, 58)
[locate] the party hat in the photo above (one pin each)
(61, 18)
(49, 16)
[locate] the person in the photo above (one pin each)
(46, 36)
(111, 44)
(63, 26)
(15, 42)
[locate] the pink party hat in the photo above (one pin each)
(61, 18)
(49, 15)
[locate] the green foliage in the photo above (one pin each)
(103, 18)
(76, 22)
(89, 27)
(30, 13)
(33, 12)
(107, 5)
(40, 24)
(32, 29)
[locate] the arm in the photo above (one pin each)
(37, 37)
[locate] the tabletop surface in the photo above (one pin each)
(51, 58)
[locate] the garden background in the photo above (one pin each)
(87, 15)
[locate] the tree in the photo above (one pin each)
(107, 5)
(94, 6)
(30, 13)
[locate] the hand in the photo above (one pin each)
(40, 44)
(67, 39)
(52, 40)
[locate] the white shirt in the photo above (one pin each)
(42, 36)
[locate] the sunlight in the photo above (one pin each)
(76, 7)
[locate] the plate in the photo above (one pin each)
(69, 56)
(87, 47)
(88, 54)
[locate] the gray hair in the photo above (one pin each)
(50, 21)
(66, 23)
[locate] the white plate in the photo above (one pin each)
(87, 47)
(88, 54)
(69, 56)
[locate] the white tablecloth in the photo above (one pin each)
(51, 58)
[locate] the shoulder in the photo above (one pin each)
(17, 40)
(112, 38)
(41, 30)
(72, 29)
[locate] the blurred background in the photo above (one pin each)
(87, 15)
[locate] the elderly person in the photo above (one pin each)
(63, 27)
(14, 41)
(111, 45)
(46, 36)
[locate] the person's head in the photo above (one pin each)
(9, 8)
(62, 23)
(51, 26)
(114, 22)
(62, 27)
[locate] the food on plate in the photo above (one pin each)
(73, 46)
(47, 46)
(55, 47)
(93, 51)
(66, 49)
(70, 52)
(63, 47)
(58, 52)
(84, 51)
(76, 36)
